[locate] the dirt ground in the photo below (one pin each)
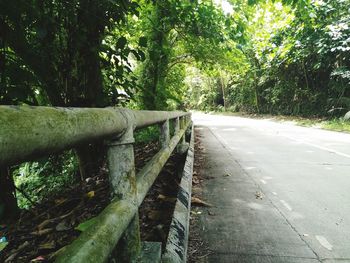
(197, 249)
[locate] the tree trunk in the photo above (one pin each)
(153, 76)
(90, 159)
(8, 201)
(89, 81)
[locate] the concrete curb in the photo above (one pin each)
(176, 247)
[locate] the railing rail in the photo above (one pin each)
(30, 132)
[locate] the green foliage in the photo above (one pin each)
(296, 59)
(283, 57)
(181, 33)
(309, 60)
(148, 134)
(3, 245)
(42, 179)
(55, 52)
(335, 124)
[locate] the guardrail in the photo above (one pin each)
(29, 132)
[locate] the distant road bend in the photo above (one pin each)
(281, 193)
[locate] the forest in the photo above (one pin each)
(287, 57)
(281, 57)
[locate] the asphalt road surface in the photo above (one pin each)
(280, 192)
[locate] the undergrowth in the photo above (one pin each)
(39, 180)
(36, 181)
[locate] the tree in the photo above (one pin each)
(51, 54)
(303, 62)
(179, 32)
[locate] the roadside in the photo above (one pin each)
(334, 124)
(197, 248)
(44, 229)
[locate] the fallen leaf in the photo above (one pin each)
(43, 224)
(199, 202)
(89, 180)
(3, 245)
(38, 259)
(17, 251)
(166, 198)
(86, 224)
(49, 245)
(196, 212)
(42, 232)
(90, 194)
(258, 195)
(60, 201)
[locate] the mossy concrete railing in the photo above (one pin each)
(30, 132)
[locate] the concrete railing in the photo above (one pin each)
(30, 132)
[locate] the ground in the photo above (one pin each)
(43, 230)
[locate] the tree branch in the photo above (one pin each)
(181, 59)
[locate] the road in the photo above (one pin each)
(280, 192)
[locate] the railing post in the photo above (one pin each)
(182, 147)
(184, 122)
(122, 178)
(177, 125)
(164, 134)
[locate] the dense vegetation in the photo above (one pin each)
(294, 60)
(280, 57)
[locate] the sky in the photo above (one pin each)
(225, 5)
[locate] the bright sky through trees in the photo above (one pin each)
(226, 6)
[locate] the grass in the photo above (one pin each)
(333, 125)
(336, 124)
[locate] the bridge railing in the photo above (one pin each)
(30, 132)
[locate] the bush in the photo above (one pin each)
(44, 178)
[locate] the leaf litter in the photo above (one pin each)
(197, 248)
(47, 228)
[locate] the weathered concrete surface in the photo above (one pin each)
(96, 243)
(149, 173)
(29, 132)
(150, 253)
(177, 242)
(281, 192)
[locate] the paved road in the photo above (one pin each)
(281, 193)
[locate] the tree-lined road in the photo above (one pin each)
(281, 193)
